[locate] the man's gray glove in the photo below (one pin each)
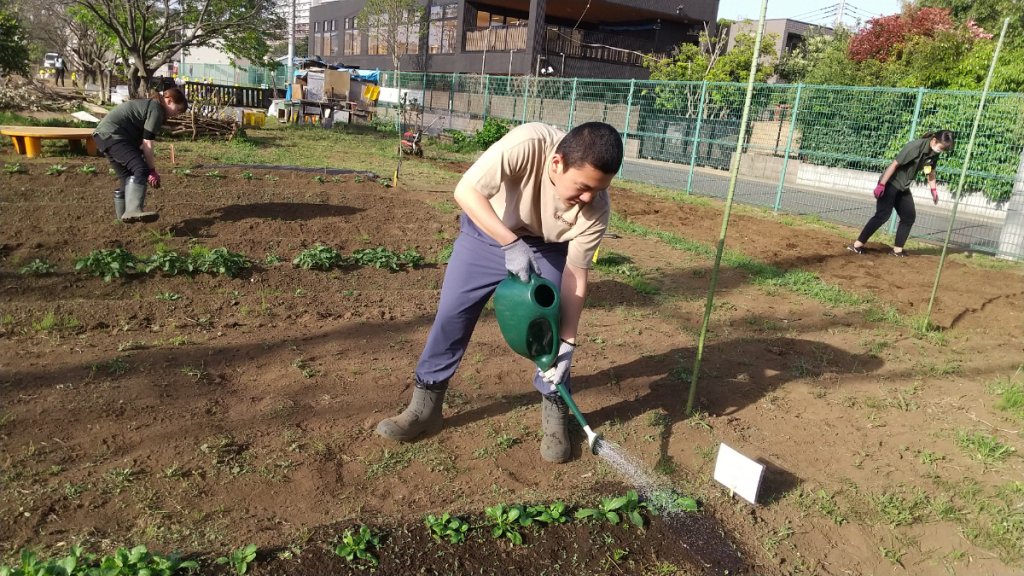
(559, 371)
(519, 259)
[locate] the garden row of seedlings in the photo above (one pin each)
(89, 169)
(117, 262)
(359, 546)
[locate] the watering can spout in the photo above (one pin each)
(593, 438)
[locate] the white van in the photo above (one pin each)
(50, 60)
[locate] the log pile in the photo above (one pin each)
(17, 93)
(195, 124)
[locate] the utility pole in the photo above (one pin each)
(841, 15)
(291, 45)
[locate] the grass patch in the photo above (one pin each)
(983, 447)
(1010, 393)
(897, 507)
(389, 461)
(622, 267)
(808, 284)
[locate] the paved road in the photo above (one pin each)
(970, 231)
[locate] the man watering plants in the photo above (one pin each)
(535, 202)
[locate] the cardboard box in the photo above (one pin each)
(337, 84)
(297, 92)
(314, 86)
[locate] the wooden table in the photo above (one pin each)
(27, 139)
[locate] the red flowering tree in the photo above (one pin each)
(884, 38)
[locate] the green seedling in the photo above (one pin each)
(239, 559)
(382, 258)
(168, 296)
(506, 521)
(218, 261)
(214, 174)
(319, 179)
(272, 259)
(358, 179)
(670, 502)
(447, 527)
(555, 513)
(37, 267)
(385, 182)
(168, 262)
(616, 509)
(318, 257)
(138, 561)
(247, 175)
(108, 264)
(56, 170)
(15, 168)
(88, 169)
(357, 547)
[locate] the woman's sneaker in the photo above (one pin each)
(900, 254)
(855, 249)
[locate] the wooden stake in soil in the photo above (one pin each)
(173, 162)
(963, 174)
(733, 175)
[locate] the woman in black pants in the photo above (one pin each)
(125, 136)
(893, 189)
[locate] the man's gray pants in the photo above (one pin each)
(476, 266)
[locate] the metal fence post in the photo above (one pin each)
(487, 96)
(572, 105)
(696, 134)
(629, 112)
(526, 98)
(451, 97)
(789, 147)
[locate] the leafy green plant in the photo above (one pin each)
(140, 562)
(272, 259)
(616, 509)
(37, 267)
(318, 257)
(15, 168)
(169, 262)
(218, 261)
(31, 565)
(320, 179)
(447, 527)
(358, 546)
(247, 175)
(108, 264)
(506, 521)
(669, 501)
(214, 174)
(168, 296)
(554, 513)
(492, 131)
(239, 559)
(56, 170)
(983, 447)
(88, 169)
(382, 258)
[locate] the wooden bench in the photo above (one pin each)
(27, 139)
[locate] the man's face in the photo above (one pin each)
(577, 186)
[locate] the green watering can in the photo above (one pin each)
(528, 317)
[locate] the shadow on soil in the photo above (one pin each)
(286, 211)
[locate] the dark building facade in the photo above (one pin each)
(596, 39)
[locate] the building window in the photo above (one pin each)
(353, 41)
(442, 26)
(404, 38)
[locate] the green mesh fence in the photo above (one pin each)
(232, 76)
(812, 150)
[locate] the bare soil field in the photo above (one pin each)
(200, 413)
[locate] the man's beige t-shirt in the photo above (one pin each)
(513, 175)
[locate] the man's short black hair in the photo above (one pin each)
(593, 143)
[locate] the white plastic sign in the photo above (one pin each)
(741, 475)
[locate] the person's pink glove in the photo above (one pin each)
(935, 195)
(879, 190)
(154, 179)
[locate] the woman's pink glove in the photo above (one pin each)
(879, 190)
(154, 179)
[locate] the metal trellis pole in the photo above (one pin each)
(629, 112)
(789, 147)
(733, 176)
(696, 134)
(963, 172)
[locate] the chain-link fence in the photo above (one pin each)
(815, 150)
(229, 75)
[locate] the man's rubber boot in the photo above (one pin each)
(422, 417)
(119, 203)
(554, 421)
(134, 198)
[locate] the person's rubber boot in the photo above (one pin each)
(421, 417)
(119, 203)
(554, 422)
(134, 198)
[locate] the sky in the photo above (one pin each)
(813, 11)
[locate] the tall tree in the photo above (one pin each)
(396, 25)
(150, 33)
(988, 14)
(13, 44)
